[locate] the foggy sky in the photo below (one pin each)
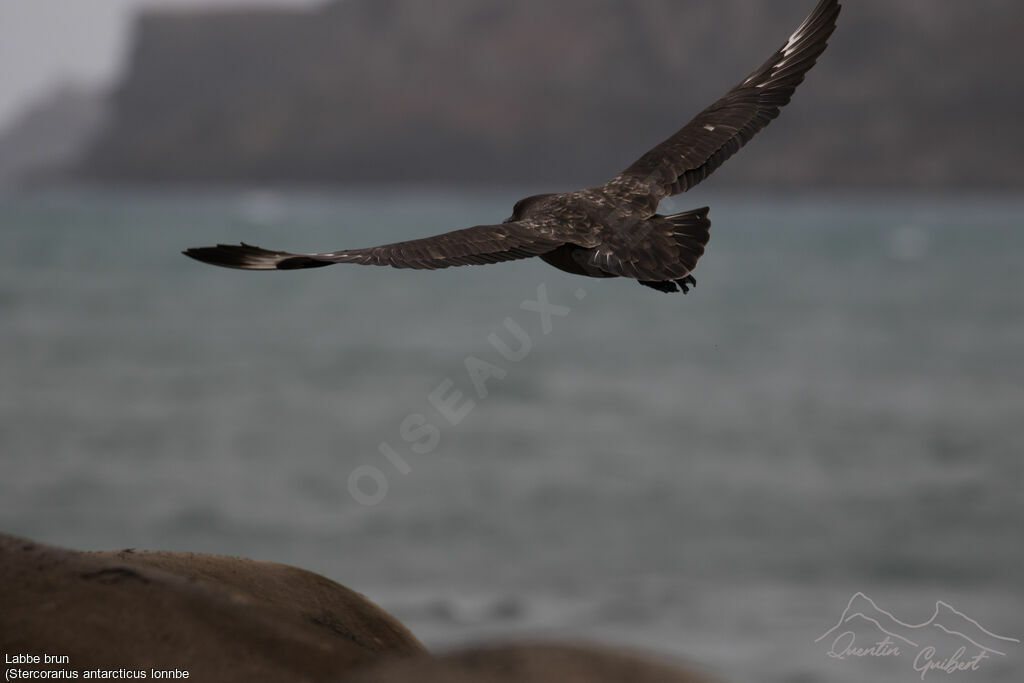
(44, 43)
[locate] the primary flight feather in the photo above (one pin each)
(609, 231)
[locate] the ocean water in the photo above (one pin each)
(837, 408)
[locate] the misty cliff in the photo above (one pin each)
(911, 93)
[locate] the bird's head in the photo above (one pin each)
(524, 206)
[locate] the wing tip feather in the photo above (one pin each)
(248, 257)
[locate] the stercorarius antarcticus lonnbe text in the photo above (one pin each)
(609, 231)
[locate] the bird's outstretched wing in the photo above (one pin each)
(472, 246)
(718, 132)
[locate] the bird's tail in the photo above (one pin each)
(693, 230)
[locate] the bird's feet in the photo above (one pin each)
(686, 283)
(672, 286)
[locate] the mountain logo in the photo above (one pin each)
(949, 641)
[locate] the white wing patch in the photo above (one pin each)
(793, 40)
(789, 49)
(797, 36)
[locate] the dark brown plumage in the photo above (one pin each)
(609, 231)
